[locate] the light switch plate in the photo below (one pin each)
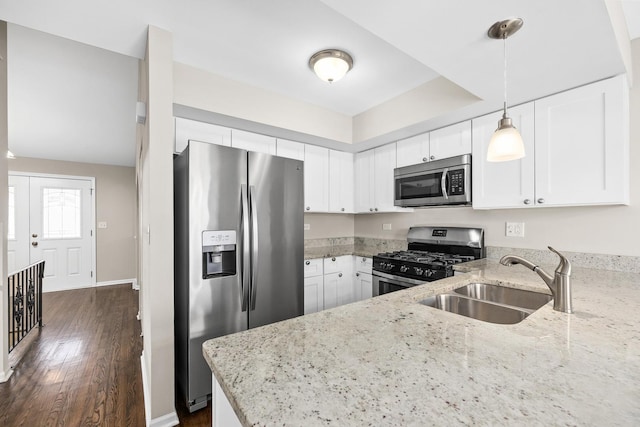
(386, 226)
(307, 226)
(514, 229)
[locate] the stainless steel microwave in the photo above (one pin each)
(437, 183)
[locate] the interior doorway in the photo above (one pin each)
(52, 218)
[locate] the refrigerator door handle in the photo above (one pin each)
(244, 279)
(254, 246)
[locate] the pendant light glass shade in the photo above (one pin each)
(331, 65)
(506, 143)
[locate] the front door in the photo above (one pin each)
(58, 219)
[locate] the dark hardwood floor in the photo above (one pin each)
(83, 367)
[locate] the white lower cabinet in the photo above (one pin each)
(313, 286)
(338, 281)
(363, 281)
(335, 281)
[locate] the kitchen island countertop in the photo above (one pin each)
(390, 361)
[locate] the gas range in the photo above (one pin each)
(432, 252)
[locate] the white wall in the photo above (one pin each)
(206, 91)
(5, 368)
(430, 100)
(606, 230)
(155, 169)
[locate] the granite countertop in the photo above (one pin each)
(334, 251)
(390, 361)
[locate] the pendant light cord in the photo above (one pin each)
(504, 38)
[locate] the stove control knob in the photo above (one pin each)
(390, 266)
(404, 269)
(428, 273)
(418, 270)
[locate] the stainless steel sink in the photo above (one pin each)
(476, 309)
(503, 295)
(489, 303)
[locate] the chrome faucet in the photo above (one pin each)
(560, 283)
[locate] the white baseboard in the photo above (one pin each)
(134, 285)
(134, 282)
(4, 376)
(167, 420)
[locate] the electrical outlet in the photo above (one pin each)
(514, 229)
(386, 226)
(307, 226)
(102, 224)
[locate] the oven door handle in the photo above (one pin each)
(443, 183)
(398, 280)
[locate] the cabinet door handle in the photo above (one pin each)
(308, 208)
(432, 157)
(333, 259)
(357, 274)
(541, 200)
(527, 201)
(424, 159)
(307, 262)
(339, 274)
(376, 209)
(342, 209)
(370, 209)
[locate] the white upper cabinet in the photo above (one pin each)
(316, 179)
(290, 149)
(582, 145)
(454, 140)
(341, 181)
(503, 184)
(413, 150)
(374, 190)
(253, 142)
(384, 161)
(199, 131)
(576, 144)
(364, 194)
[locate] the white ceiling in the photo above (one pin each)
(73, 96)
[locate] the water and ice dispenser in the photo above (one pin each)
(218, 253)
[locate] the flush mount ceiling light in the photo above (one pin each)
(506, 142)
(331, 64)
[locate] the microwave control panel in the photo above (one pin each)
(456, 182)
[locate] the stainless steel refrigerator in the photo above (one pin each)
(238, 251)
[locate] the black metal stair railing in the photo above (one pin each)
(25, 302)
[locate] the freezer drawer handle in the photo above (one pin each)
(254, 246)
(244, 280)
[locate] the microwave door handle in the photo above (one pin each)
(443, 183)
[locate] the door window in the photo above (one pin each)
(61, 213)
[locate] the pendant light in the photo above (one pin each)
(506, 142)
(331, 65)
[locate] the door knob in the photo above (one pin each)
(34, 244)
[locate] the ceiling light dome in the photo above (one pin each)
(331, 64)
